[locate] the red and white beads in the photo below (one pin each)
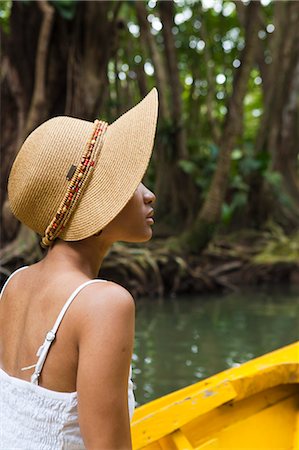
(76, 185)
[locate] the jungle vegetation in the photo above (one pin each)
(225, 168)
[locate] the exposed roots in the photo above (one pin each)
(226, 265)
(155, 270)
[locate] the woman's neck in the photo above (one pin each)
(85, 256)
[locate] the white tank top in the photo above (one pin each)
(35, 418)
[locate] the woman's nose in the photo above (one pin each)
(149, 197)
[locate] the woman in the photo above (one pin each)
(78, 185)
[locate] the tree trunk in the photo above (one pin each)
(167, 16)
(205, 224)
(149, 44)
(18, 63)
(287, 151)
(51, 66)
(210, 102)
(278, 133)
(38, 108)
(173, 202)
(87, 74)
(284, 143)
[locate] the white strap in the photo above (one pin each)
(44, 348)
(10, 277)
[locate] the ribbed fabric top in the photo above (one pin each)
(35, 418)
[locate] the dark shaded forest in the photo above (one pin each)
(225, 168)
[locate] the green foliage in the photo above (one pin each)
(253, 106)
(5, 8)
(209, 41)
(223, 41)
(66, 8)
(274, 180)
(201, 164)
(279, 247)
(238, 198)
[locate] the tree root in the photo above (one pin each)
(155, 270)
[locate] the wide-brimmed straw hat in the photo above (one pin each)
(71, 177)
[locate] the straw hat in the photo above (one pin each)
(71, 177)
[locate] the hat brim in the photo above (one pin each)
(121, 165)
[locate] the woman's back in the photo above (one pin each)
(30, 304)
(44, 415)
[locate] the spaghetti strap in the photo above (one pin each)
(10, 277)
(44, 348)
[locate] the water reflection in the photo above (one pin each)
(181, 341)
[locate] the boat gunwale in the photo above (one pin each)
(278, 367)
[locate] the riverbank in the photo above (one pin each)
(155, 269)
(241, 259)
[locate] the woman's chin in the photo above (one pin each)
(144, 237)
(148, 235)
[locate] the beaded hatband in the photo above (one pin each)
(78, 177)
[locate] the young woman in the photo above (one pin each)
(78, 185)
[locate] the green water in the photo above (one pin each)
(183, 340)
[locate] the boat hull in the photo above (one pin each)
(254, 406)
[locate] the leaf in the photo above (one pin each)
(188, 167)
(239, 199)
(5, 10)
(248, 165)
(273, 178)
(226, 213)
(236, 154)
(66, 8)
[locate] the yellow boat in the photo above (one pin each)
(254, 406)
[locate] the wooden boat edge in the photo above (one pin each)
(278, 367)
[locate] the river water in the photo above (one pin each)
(182, 340)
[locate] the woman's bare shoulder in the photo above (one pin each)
(106, 291)
(103, 302)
